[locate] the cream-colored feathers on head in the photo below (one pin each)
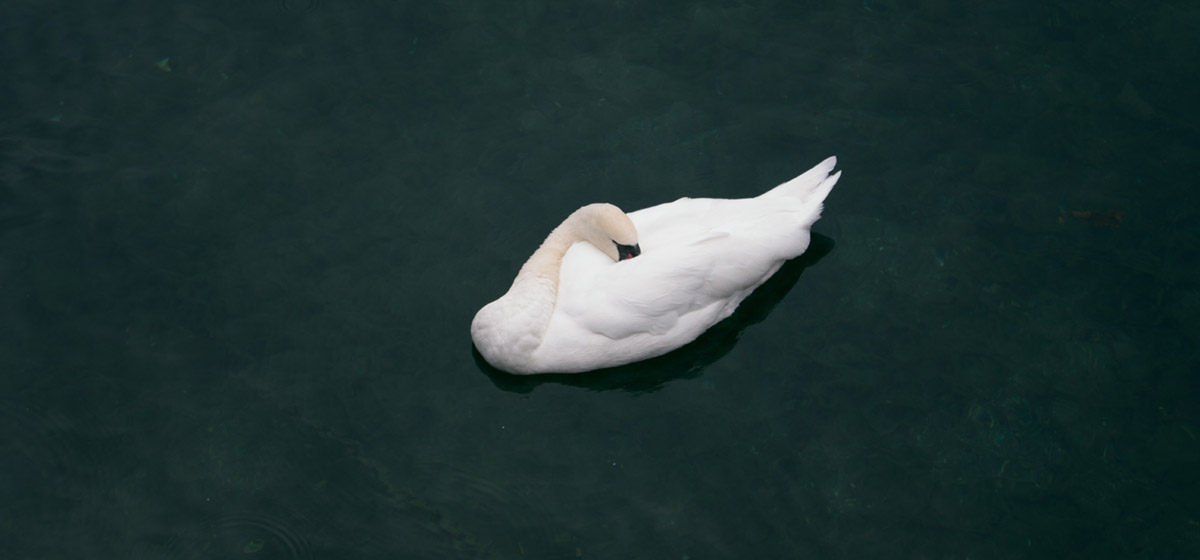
(600, 224)
(604, 225)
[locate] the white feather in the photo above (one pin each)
(700, 258)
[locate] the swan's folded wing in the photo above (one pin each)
(700, 258)
(639, 296)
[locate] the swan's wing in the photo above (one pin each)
(700, 258)
(686, 275)
(637, 296)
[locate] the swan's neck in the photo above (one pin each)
(544, 265)
(524, 313)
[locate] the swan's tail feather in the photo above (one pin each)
(817, 196)
(814, 184)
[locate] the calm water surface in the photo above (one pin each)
(241, 245)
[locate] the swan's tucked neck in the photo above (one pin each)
(510, 330)
(546, 262)
(531, 300)
(603, 225)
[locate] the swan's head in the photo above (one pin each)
(610, 230)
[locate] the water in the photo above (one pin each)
(241, 245)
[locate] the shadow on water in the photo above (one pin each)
(688, 361)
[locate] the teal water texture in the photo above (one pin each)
(241, 244)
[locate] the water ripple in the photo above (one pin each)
(244, 533)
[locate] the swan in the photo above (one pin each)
(608, 288)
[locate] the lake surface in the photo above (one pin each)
(241, 244)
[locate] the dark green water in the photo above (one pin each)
(235, 295)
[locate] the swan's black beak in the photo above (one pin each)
(627, 251)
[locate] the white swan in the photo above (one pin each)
(584, 302)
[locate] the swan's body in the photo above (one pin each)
(582, 303)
